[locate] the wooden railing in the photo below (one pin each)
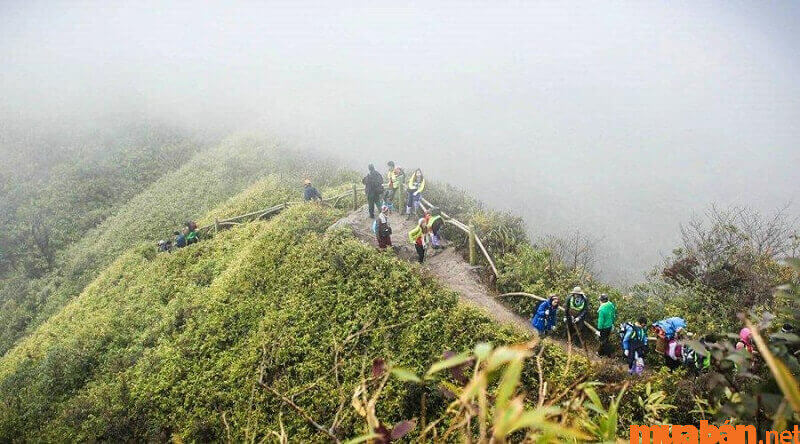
(261, 214)
(474, 241)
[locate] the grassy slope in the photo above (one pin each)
(208, 179)
(169, 344)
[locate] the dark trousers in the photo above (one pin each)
(384, 241)
(605, 345)
(373, 201)
(420, 253)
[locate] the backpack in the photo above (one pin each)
(636, 340)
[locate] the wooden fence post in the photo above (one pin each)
(473, 253)
(355, 198)
(216, 226)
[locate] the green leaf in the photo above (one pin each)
(448, 363)
(405, 375)
(363, 438)
(482, 350)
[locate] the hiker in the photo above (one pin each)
(416, 184)
(634, 344)
(373, 187)
(383, 231)
(606, 317)
(180, 237)
(417, 237)
(192, 236)
(544, 321)
(577, 308)
(435, 223)
(745, 340)
(697, 361)
(164, 246)
(676, 351)
(394, 178)
(665, 330)
(309, 192)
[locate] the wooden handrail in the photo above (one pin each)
(424, 203)
(465, 229)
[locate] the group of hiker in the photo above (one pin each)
(427, 231)
(186, 236)
(670, 334)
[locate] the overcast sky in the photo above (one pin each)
(617, 119)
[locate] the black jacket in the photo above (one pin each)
(373, 183)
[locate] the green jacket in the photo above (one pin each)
(606, 315)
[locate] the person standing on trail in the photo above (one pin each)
(417, 237)
(416, 184)
(544, 321)
(435, 223)
(309, 192)
(606, 316)
(394, 178)
(383, 231)
(373, 187)
(634, 344)
(577, 309)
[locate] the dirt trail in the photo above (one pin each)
(446, 265)
(449, 268)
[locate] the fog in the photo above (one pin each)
(620, 120)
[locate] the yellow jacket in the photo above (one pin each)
(392, 177)
(416, 235)
(416, 186)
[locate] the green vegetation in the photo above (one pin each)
(282, 329)
(200, 184)
(145, 351)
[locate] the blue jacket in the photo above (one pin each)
(180, 241)
(629, 337)
(671, 325)
(311, 193)
(543, 321)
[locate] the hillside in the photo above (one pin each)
(270, 328)
(173, 344)
(188, 191)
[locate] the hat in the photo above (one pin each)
(577, 290)
(307, 181)
(384, 208)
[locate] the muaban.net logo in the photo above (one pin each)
(709, 433)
